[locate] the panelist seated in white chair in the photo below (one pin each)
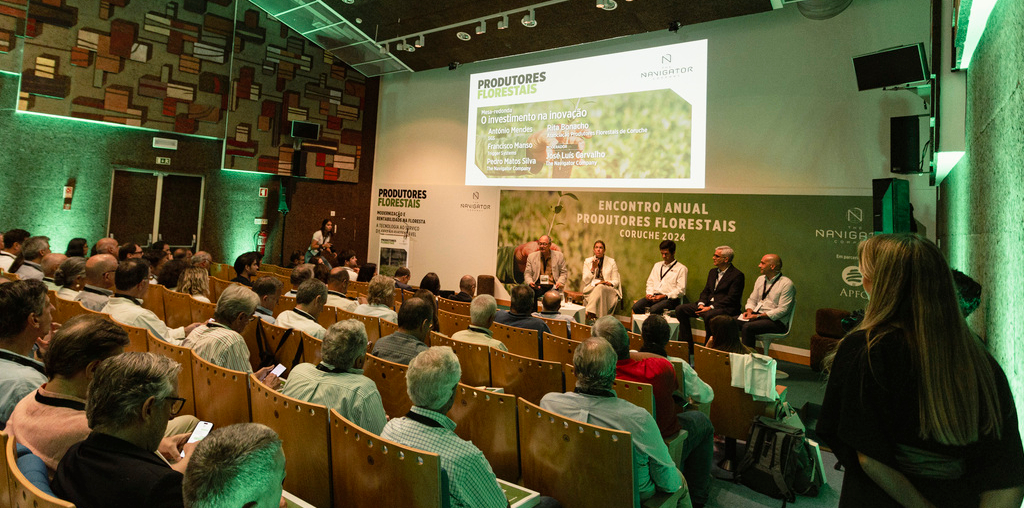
(601, 288)
(771, 302)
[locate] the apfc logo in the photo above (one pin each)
(852, 276)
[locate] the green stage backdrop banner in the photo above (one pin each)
(816, 236)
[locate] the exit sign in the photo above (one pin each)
(163, 161)
(264, 192)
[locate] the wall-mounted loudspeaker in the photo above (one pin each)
(891, 67)
(891, 205)
(905, 144)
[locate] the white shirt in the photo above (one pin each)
(667, 280)
(6, 260)
(127, 311)
(773, 297)
(336, 299)
(302, 321)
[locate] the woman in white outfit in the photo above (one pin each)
(601, 289)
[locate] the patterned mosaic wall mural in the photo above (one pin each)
(216, 68)
(278, 77)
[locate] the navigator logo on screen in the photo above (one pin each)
(666, 58)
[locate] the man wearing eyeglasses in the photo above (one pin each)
(721, 294)
(132, 282)
(99, 282)
(130, 400)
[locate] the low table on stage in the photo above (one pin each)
(673, 325)
(570, 309)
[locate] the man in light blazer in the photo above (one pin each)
(545, 269)
(601, 288)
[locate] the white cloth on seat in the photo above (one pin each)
(754, 373)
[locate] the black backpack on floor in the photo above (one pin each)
(779, 462)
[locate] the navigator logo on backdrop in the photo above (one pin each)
(851, 233)
(476, 206)
(666, 70)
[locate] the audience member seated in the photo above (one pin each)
(337, 286)
(202, 259)
(367, 272)
(156, 259)
(431, 380)
(338, 381)
(770, 302)
(269, 290)
(551, 302)
(414, 320)
(348, 260)
(33, 251)
(467, 288)
(99, 282)
(246, 267)
(309, 302)
(132, 282)
(321, 269)
(105, 246)
(220, 342)
(170, 273)
(523, 304)
(25, 318)
(295, 259)
(13, 240)
(52, 419)
(429, 297)
(70, 277)
(194, 282)
(431, 282)
(299, 274)
(380, 297)
(49, 264)
(724, 335)
(241, 465)
(481, 317)
(129, 251)
(665, 284)
(161, 246)
(698, 448)
(183, 254)
(130, 400)
(593, 401)
(402, 276)
(77, 247)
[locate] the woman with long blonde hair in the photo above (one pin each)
(916, 409)
(196, 282)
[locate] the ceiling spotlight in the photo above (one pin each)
(408, 47)
(482, 28)
(400, 46)
(673, 26)
(608, 5)
(452, 66)
(503, 23)
(530, 19)
(419, 42)
(463, 36)
(354, 1)
(384, 49)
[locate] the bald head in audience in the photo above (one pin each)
(105, 246)
(99, 271)
(201, 259)
(51, 262)
(338, 280)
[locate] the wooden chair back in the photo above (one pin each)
(475, 359)
(369, 471)
(488, 419)
(222, 271)
(579, 332)
(559, 327)
(67, 309)
(678, 349)
(390, 380)
(154, 301)
(635, 341)
(524, 377)
(201, 311)
(11, 276)
(361, 288)
(558, 349)
(406, 294)
(387, 328)
(176, 309)
(284, 303)
(639, 394)
(733, 409)
(20, 492)
(274, 335)
(249, 334)
(312, 348)
(328, 316)
(453, 306)
(217, 286)
(520, 341)
(222, 395)
(285, 278)
(304, 432)
(183, 356)
(372, 324)
(138, 338)
(5, 472)
(398, 300)
(450, 323)
(51, 295)
(553, 445)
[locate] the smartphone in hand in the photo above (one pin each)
(200, 432)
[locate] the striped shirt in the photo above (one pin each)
(472, 483)
(220, 346)
(350, 393)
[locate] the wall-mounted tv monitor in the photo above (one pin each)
(891, 67)
(307, 130)
(635, 119)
